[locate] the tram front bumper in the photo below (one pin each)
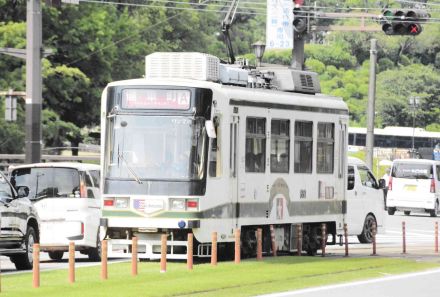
(147, 223)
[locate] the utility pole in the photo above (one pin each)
(371, 102)
(33, 81)
(298, 52)
(413, 103)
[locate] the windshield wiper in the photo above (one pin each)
(135, 176)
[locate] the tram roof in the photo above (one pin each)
(243, 93)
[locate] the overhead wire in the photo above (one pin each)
(310, 9)
(126, 38)
(314, 12)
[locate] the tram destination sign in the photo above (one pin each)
(156, 99)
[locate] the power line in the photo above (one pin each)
(315, 15)
(168, 7)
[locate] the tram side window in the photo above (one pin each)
(279, 146)
(255, 144)
(325, 148)
(303, 146)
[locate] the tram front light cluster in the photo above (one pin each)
(121, 202)
(109, 202)
(182, 204)
(177, 204)
(118, 202)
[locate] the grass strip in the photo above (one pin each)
(227, 279)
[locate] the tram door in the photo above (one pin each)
(233, 164)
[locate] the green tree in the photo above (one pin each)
(395, 87)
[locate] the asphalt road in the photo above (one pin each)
(420, 245)
(422, 284)
(7, 267)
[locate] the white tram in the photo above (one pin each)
(199, 146)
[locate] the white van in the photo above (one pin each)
(67, 199)
(414, 186)
(365, 199)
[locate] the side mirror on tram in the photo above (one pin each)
(210, 129)
(382, 183)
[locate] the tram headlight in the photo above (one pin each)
(177, 204)
(121, 203)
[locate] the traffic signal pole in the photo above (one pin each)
(33, 81)
(298, 52)
(371, 104)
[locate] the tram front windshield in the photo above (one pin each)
(156, 148)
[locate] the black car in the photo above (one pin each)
(19, 224)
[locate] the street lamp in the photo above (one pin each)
(413, 103)
(259, 48)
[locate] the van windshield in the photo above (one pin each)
(412, 171)
(48, 182)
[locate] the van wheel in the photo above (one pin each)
(434, 212)
(25, 261)
(367, 232)
(95, 253)
(391, 210)
(56, 255)
(407, 212)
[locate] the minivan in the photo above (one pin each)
(67, 198)
(365, 201)
(413, 186)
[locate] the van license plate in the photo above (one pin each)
(411, 188)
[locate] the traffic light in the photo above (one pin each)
(299, 20)
(403, 21)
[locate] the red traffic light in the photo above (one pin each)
(414, 29)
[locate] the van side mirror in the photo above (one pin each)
(382, 183)
(22, 191)
(350, 185)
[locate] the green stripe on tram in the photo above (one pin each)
(179, 215)
(120, 213)
(162, 215)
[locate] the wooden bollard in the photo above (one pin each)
(163, 254)
(214, 249)
(323, 238)
(299, 239)
(237, 246)
(403, 238)
(272, 238)
(259, 244)
(374, 238)
(346, 239)
(134, 256)
(71, 262)
(104, 273)
(36, 266)
(436, 237)
(189, 251)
